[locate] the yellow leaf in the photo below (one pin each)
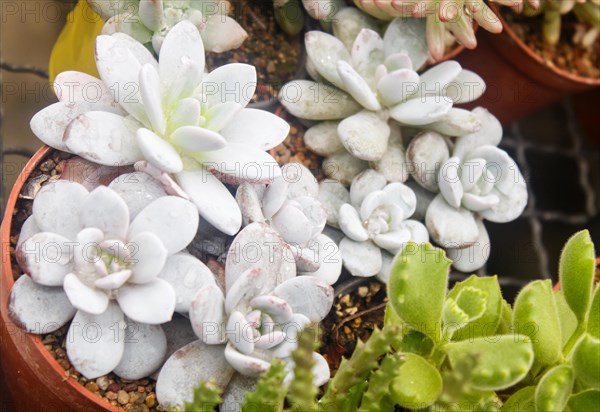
(74, 49)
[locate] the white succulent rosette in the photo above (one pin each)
(257, 318)
(104, 257)
(358, 94)
(291, 207)
(180, 120)
(375, 220)
(149, 21)
(475, 180)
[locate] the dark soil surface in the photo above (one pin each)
(566, 55)
(354, 316)
(275, 54)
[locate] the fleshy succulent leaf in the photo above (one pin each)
(535, 315)
(419, 273)
(502, 361)
(553, 390)
(417, 384)
(576, 272)
(587, 400)
(586, 361)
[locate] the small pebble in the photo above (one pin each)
(110, 395)
(122, 397)
(151, 400)
(130, 387)
(102, 382)
(64, 364)
(362, 291)
(113, 387)
(92, 387)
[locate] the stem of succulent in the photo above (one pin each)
(363, 360)
(376, 397)
(303, 394)
(438, 356)
(581, 327)
(551, 27)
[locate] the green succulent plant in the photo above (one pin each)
(586, 11)
(465, 348)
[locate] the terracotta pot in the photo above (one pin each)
(34, 379)
(518, 81)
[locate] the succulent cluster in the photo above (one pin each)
(291, 206)
(361, 95)
(443, 19)
(256, 318)
(168, 143)
(88, 255)
(149, 21)
(586, 11)
(465, 349)
(182, 121)
(474, 180)
(374, 217)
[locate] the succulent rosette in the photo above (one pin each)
(256, 317)
(291, 207)
(182, 121)
(374, 217)
(88, 255)
(149, 21)
(474, 181)
(441, 19)
(360, 93)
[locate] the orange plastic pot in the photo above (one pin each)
(518, 80)
(34, 380)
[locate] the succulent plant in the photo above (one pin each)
(467, 348)
(474, 180)
(89, 255)
(442, 18)
(181, 120)
(149, 21)
(374, 86)
(586, 11)
(291, 207)
(290, 16)
(374, 218)
(257, 319)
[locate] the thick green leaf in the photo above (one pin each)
(417, 287)
(535, 315)
(554, 389)
(568, 321)
(470, 305)
(391, 317)
(576, 272)
(502, 361)
(506, 315)
(593, 324)
(586, 361)
(418, 383)
(289, 16)
(588, 401)
(417, 343)
(487, 323)
(520, 401)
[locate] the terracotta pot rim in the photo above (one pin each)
(513, 36)
(7, 273)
